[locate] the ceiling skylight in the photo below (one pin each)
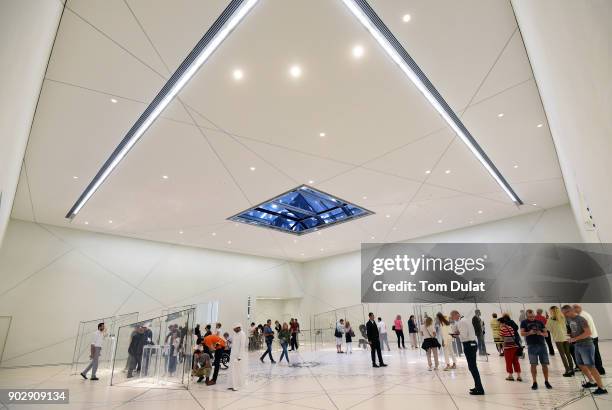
(300, 211)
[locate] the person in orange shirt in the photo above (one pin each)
(216, 344)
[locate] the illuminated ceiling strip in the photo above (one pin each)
(221, 28)
(370, 20)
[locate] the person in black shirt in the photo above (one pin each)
(374, 340)
(535, 335)
(412, 331)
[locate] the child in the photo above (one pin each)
(201, 365)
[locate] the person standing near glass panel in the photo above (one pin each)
(96, 348)
(467, 334)
(478, 324)
(412, 331)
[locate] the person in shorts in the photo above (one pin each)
(535, 334)
(584, 348)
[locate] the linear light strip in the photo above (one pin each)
(214, 36)
(370, 20)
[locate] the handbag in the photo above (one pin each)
(393, 327)
(337, 333)
(430, 342)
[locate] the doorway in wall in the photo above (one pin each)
(281, 309)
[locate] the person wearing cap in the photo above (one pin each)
(238, 359)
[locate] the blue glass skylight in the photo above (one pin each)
(300, 211)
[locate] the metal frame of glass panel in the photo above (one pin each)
(301, 210)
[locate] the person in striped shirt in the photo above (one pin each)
(511, 348)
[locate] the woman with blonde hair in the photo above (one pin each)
(430, 343)
(447, 342)
(557, 326)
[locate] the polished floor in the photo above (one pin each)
(327, 380)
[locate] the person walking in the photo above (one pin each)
(382, 330)
(412, 331)
(581, 336)
(535, 335)
(594, 336)
(374, 341)
(94, 353)
(495, 325)
(268, 335)
(399, 332)
(511, 347)
(467, 334)
(284, 337)
(544, 319)
(478, 324)
(447, 342)
(348, 336)
(557, 328)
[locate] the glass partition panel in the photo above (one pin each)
(156, 352)
(324, 326)
(85, 335)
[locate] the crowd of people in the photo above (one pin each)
(570, 328)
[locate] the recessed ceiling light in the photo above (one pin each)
(540, 125)
(395, 228)
(364, 197)
(439, 221)
(110, 221)
(295, 71)
(448, 171)
(201, 52)
(75, 177)
(214, 234)
(479, 211)
(252, 168)
(319, 233)
(501, 114)
(428, 171)
(165, 176)
(534, 204)
(321, 249)
(358, 51)
(515, 166)
(181, 232)
(311, 182)
(387, 216)
(406, 18)
(295, 241)
(229, 242)
(113, 100)
(471, 222)
(372, 237)
(322, 134)
(237, 74)
(86, 223)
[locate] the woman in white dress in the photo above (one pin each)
(238, 359)
(447, 342)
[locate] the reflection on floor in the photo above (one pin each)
(328, 380)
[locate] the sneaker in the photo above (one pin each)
(600, 391)
(588, 385)
(83, 376)
(534, 386)
(94, 378)
(548, 386)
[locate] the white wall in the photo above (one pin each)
(336, 281)
(570, 49)
(27, 30)
(51, 278)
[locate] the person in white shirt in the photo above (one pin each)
(594, 336)
(467, 334)
(96, 348)
(382, 332)
(218, 330)
(239, 359)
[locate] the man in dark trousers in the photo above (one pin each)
(135, 350)
(374, 340)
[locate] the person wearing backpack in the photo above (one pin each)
(339, 331)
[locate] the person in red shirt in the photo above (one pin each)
(216, 344)
(511, 348)
(541, 318)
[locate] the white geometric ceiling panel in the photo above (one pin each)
(354, 127)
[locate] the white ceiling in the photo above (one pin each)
(381, 135)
